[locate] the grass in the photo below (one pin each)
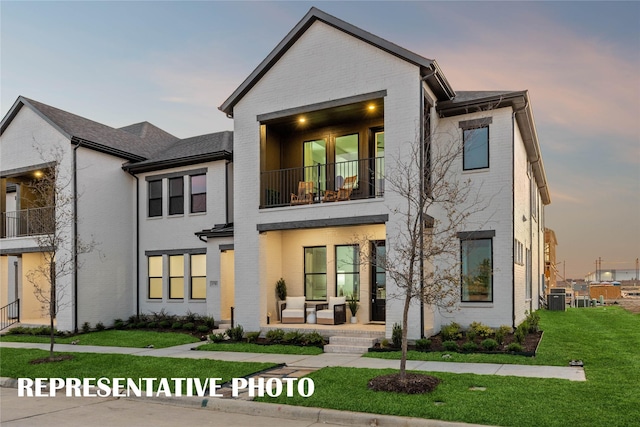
(258, 348)
(14, 363)
(117, 338)
(606, 339)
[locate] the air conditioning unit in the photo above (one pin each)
(557, 302)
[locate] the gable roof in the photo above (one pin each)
(428, 67)
(89, 133)
(197, 149)
(473, 101)
(146, 130)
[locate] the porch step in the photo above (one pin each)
(350, 345)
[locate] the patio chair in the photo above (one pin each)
(343, 192)
(294, 310)
(332, 313)
(305, 194)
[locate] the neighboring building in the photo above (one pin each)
(612, 275)
(212, 222)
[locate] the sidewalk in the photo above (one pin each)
(325, 360)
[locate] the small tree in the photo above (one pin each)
(423, 257)
(53, 229)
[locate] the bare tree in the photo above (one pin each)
(423, 256)
(53, 229)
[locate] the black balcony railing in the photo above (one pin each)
(351, 180)
(28, 222)
(10, 314)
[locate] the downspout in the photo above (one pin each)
(137, 251)
(75, 234)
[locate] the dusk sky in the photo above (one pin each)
(173, 64)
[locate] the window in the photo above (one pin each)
(198, 276)
(346, 156)
(176, 276)
(315, 160)
(348, 271)
(528, 275)
(155, 277)
(315, 273)
(155, 198)
(176, 196)
(198, 193)
(477, 270)
(476, 148)
(518, 251)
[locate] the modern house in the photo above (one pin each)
(298, 191)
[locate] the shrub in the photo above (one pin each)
(384, 343)
(502, 332)
(514, 347)
(396, 335)
(275, 336)
(451, 332)
(152, 325)
(450, 345)
(190, 317)
(141, 325)
(132, 320)
(202, 328)
(293, 337)
(252, 336)
(423, 344)
(86, 326)
(189, 326)
(521, 332)
(117, 324)
(217, 337)
(209, 321)
(100, 326)
(533, 319)
(481, 330)
(176, 325)
(313, 338)
(236, 333)
(164, 324)
(469, 346)
(489, 344)
(471, 334)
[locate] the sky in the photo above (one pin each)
(174, 63)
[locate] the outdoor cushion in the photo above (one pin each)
(295, 303)
(335, 301)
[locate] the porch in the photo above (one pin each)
(360, 330)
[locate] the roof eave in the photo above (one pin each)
(172, 163)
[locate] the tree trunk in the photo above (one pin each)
(52, 306)
(405, 322)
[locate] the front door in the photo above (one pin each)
(378, 281)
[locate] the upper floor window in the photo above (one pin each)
(176, 196)
(155, 198)
(198, 193)
(476, 148)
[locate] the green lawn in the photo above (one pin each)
(117, 338)
(257, 348)
(14, 363)
(607, 339)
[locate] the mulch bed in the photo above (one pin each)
(412, 384)
(47, 359)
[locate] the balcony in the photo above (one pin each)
(27, 222)
(323, 183)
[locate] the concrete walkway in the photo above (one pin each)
(326, 359)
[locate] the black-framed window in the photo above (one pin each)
(176, 195)
(198, 193)
(348, 271)
(155, 198)
(477, 270)
(315, 273)
(476, 148)
(198, 276)
(154, 270)
(176, 276)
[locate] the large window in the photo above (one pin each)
(176, 276)
(155, 198)
(348, 271)
(176, 196)
(477, 270)
(198, 193)
(314, 162)
(315, 273)
(346, 156)
(155, 277)
(476, 148)
(198, 276)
